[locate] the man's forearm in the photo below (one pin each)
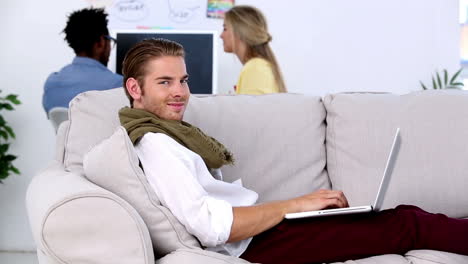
(252, 220)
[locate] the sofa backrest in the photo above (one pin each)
(277, 140)
(431, 169)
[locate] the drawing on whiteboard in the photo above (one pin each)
(130, 10)
(181, 11)
(176, 14)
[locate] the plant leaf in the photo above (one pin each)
(13, 98)
(14, 169)
(454, 77)
(4, 170)
(439, 81)
(3, 134)
(10, 131)
(6, 106)
(434, 85)
(423, 86)
(9, 157)
(445, 77)
(4, 148)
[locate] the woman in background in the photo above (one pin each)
(245, 33)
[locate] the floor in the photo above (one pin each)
(18, 257)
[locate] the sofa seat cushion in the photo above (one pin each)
(113, 164)
(198, 256)
(435, 257)
(380, 259)
(432, 165)
(412, 257)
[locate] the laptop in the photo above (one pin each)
(367, 208)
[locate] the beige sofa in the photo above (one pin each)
(92, 204)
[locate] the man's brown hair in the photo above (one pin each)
(136, 59)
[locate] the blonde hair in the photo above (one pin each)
(250, 25)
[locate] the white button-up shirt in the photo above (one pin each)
(184, 185)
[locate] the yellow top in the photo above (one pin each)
(257, 77)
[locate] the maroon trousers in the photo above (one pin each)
(341, 238)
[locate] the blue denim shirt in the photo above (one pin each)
(83, 74)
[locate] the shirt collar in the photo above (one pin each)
(88, 61)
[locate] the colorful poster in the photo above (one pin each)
(217, 8)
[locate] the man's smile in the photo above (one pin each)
(176, 105)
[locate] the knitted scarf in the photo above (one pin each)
(138, 122)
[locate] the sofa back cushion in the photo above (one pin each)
(113, 164)
(431, 166)
(277, 140)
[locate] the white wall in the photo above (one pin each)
(31, 47)
(323, 46)
(362, 45)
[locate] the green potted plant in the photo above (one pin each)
(446, 82)
(6, 134)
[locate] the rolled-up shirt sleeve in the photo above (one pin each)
(172, 172)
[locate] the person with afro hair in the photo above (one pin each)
(87, 34)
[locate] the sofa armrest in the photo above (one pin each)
(75, 221)
(199, 256)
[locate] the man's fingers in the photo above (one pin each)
(346, 201)
(322, 199)
(337, 199)
(335, 194)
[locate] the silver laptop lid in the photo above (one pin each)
(388, 171)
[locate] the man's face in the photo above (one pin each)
(165, 90)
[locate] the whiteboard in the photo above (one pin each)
(160, 14)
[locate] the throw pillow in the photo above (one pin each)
(113, 165)
(93, 117)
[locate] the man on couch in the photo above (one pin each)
(177, 158)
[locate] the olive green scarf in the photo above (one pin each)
(138, 122)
